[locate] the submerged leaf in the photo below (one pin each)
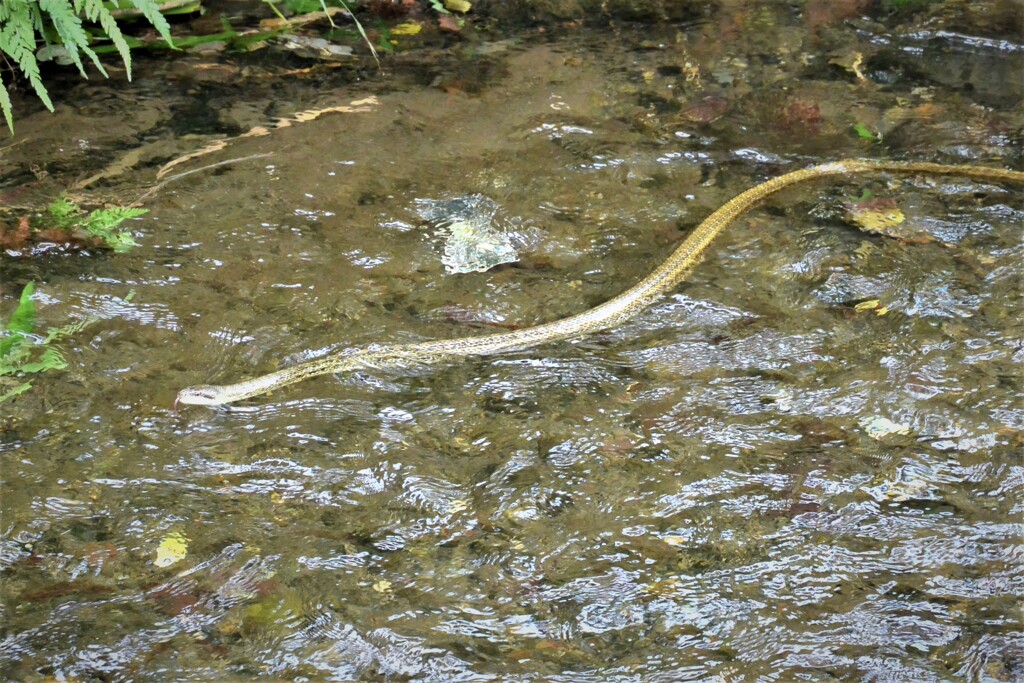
(876, 215)
(408, 29)
(21, 323)
(173, 548)
(472, 242)
(20, 389)
(864, 132)
(52, 359)
(878, 427)
(24, 316)
(870, 305)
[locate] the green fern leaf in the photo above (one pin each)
(95, 10)
(5, 106)
(151, 10)
(20, 389)
(18, 22)
(24, 22)
(72, 35)
(13, 345)
(52, 359)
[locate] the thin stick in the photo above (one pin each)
(177, 176)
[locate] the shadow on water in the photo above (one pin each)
(765, 476)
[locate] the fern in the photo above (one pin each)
(95, 11)
(17, 346)
(19, 20)
(102, 223)
(24, 352)
(72, 35)
(23, 23)
(151, 10)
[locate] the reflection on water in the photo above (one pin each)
(753, 480)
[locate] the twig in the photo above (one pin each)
(178, 176)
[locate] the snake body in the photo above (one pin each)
(609, 314)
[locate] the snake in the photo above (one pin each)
(601, 317)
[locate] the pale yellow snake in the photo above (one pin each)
(611, 313)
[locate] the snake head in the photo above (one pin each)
(199, 395)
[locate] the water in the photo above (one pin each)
(750, 481)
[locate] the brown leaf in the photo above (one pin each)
(707, 110)
(802, 113)
(448, 22)
(14, 239)
(819, 13)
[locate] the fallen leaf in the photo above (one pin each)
(879, 216)
(447, 22)
(871, 305)
(878, 427)
(852, 62)
(407, 29)
(707, 110)
(173, 548)
(801, 113)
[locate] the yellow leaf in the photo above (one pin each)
(869, 305)
(458, 5)
(876, 215)
(880, 221)
(172, 549)
(409, 29)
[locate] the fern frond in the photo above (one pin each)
(72, 35)
(151, 10)
(5, 105)
(24, 22)
(18, 41)
(20, 389)
(52, 359)
(95, 10)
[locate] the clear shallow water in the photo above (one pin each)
(709, 492)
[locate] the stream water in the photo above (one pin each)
(756, 479)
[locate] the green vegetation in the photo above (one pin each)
(58, 24)
(864, 132)
(23, 352)
(103, 224)
(906, 6)
(69, 31)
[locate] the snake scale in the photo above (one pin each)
(609, 314)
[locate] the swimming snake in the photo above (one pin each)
(609, 314)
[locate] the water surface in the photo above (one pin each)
(752, 480)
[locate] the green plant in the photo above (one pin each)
(24, 23)
(906, 6)
(865, 133)
(101, 223)
(307, 6)
(17, 347)
(22, 352)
